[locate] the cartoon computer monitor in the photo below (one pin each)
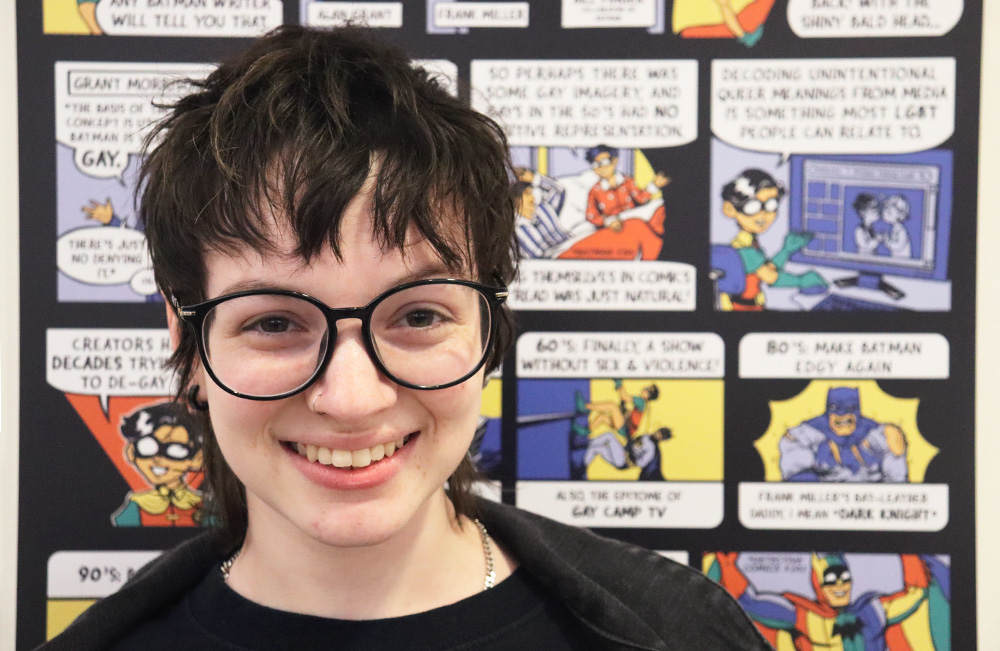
(874, 215)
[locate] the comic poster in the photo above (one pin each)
(608, 433)
(205, 18)
(812, 162)
(103, 111)
(833, 600)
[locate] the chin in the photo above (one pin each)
(362, 524)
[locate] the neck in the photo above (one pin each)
(430, 562)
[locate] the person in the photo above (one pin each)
(834, 618)
(539, 231)
(751, 200)
(164, 446)
(614, 193)
(896, 211)
(869, 213)
(334, 233)
(841, 445)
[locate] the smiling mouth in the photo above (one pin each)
(349, 458)
(159, 471)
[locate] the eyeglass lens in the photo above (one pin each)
(150, 446)
(265, 345)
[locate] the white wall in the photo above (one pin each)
(988, 341)
(8, 324)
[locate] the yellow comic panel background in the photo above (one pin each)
(60, 613)
(492, 394)
(692, 409)
(875, 404)
(63, 17)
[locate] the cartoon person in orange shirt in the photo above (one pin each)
(165, 447)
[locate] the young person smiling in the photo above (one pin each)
(333, 232)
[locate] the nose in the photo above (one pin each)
(351, 388)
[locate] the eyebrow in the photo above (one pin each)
(430, 271)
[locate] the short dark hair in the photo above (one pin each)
(146, 420)
(864, 200)
(746, 186)
(292, 127)
(654, 392)
(594, 152)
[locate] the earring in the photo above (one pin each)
(192, 398)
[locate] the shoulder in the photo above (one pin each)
(154, 590)
(623, 592)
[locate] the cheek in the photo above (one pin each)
(456, 410)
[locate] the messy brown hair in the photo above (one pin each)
(293, 127)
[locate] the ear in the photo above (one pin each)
(728, 209)
(173, 323)
(197, 461)
(130, 452)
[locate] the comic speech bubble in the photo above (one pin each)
(608, 13)
(104, 110)
(92, 574)
(869, 19)
(603, 285)
(844, 507)
(443, 70)
(144, 283)
(102, 255)
(481, 14)
(620, 355)
(370, 14)
(581, 103)
(901, 356)
(663, 505)
(188, 17)
(847, 106)
(109, 362)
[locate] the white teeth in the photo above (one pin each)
(361, 458)
(348, 458)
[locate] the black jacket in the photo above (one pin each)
(629, 597)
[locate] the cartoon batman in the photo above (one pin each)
(832, 620)
(843, 446)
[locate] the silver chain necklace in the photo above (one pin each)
(489, 580)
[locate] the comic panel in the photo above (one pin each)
(741, 20)
(859, 19)
(844, 454)
(833, 600)
(116, 382)
(588, 14)
(449, 17)
(486, 449)
(621, 429)
(827, 194)
(327, 13)
(211, 18)
(591, 216)
(103, 112)
(75, 580)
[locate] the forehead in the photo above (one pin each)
(172, 433)
(767, 193)
(364, 269)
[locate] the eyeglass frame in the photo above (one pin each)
(195, 315)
